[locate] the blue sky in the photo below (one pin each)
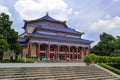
(90, 16)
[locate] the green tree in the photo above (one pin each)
(117, 43)
(116, 47)
(8, 36)
(115, 53)
(105, 46)
(3, 47)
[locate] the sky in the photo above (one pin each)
(93, 17)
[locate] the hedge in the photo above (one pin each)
(90, 58)
(115, 65)
(101, 59)
(104, 59)
(115, 70)
(6, 61)
(20, 60)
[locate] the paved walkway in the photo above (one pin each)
(5, 65)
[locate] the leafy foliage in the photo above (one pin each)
(86, 59)
(20, 60)
(101, 59)
(3, 47)
(90, 58)
(115, 65)
(107, 46)
(3, 44)
(110, 68)
(116, 53)
(8, 36)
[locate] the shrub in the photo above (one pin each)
(100, 59)
(6, 61)
(93, 58)
(87, 59)
(110, 60)
(115, 65)
(105, 59)
(20, 60)
(118, 59)
(29, 60)
(110, 68)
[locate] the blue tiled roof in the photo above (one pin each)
(23, 45)
(59, 37)
(56, 28)
(46, 17)
(23, 33)
(21, 39)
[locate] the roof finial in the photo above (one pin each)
(46, 13)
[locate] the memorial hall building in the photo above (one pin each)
(47, 38)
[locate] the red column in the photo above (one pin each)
(38, 50)
(66, 55)
(77, 52)
(58, 55)
(81, 52)
(30, 49)
(84, 51)
(69, 52)
(73, 54)
(48, 52)
(88, 50)
(22, 53)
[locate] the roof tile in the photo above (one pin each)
(59, 37)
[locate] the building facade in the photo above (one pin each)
(47, 38)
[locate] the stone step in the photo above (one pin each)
(53, 76)
(84, 73)
(54, 73)
(42, 69)
(46, 73)
(68, 78)
(34, 73)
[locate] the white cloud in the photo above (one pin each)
(94, 43)
(106, 24)
(4, 9)
(30, 9)
(76, 13)
(83, 36)
(109, 25)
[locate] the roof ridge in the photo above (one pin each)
(46, 17)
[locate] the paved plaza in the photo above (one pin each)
(4, 65)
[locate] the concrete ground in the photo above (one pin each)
(6, 65)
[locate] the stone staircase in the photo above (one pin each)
(60, 61)
(55, 73)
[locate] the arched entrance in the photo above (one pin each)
(43, 50)
(63, 52)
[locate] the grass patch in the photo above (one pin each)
(115, 70)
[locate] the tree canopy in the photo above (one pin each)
(8, 36)
(107, 46)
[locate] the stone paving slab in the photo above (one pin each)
(7, 65)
